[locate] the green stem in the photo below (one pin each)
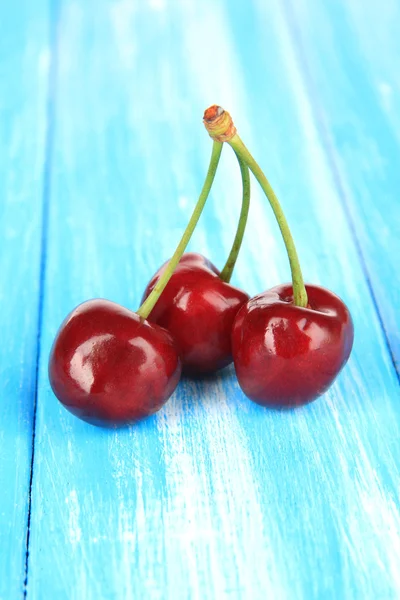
(299, 290)
(148, 305)
(227, 271)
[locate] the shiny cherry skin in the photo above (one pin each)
(198, 309)
(285, 355)
(110, 367)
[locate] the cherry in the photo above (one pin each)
(199, 305)
(110, 367)
(286, 355)
(198, 308)
(289, 343)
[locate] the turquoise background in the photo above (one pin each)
(102, 157)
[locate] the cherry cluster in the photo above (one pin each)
(111, 366)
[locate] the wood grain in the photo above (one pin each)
(350, 54)
(214, 497)
(24, 58)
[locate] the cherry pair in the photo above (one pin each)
(111, 366)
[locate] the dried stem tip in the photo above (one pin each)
(219, 124)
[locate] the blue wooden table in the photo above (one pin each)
(102, 156)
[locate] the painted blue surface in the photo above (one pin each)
(214, 497)
(350, 58)
(23, 99)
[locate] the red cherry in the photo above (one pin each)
(285, 355)
(110, 367)
(198, 309)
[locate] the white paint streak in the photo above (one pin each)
(122, 12)
(73, 506)
(182, 202)
(226, 541)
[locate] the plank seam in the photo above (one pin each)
(338, 180)
(46, 178)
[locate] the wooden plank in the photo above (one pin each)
(350, 55)
(214, 497)
(23, 99)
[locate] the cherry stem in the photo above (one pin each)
(148, 305)
(227, 271)
(299, 290)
